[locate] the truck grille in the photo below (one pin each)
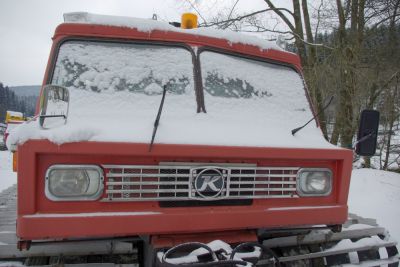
(198, 182)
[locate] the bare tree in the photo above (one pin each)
(347, 61)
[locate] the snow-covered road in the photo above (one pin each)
(373, 193)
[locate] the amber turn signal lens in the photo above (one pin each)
(15, 158)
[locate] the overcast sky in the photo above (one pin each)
(26, 27)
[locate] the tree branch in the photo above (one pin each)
(230, 13)
(239, 18)
(281, 15)
(385, 19)
(318, 18)
(198, 12)
(263, 29)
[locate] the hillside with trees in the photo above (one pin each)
(10, 100)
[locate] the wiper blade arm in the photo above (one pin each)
(313, 118)
(157, 121)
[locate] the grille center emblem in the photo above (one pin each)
(209, 183)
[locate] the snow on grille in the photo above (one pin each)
(177, 182)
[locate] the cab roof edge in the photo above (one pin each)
(148, 25)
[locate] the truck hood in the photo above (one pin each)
(127, 117)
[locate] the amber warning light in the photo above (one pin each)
(188, 21)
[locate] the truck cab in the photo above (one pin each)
(223, 163)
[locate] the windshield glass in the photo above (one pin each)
(116, 89)
(236, 77)
(254, 99)
(137, 68)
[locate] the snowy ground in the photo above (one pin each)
(7, 176)
(376, 194)
(373, 193)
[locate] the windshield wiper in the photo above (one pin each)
(157, 121)
(313, 118)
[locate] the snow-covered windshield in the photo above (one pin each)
(116, 88)
(238, 77)
(254, 99)
(138, 68)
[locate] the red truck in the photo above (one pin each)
(174, 136)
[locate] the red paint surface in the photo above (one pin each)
(36, 156)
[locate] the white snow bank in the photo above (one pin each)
(7, 176)
(148, 25)
(376, 194)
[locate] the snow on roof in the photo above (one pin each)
(148, 25)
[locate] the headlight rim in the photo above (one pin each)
(301, 193)
(92, 197)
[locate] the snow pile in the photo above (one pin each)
(115, 92)
(7, 176)
(147, 25)
(376, 194)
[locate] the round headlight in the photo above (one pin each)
(74, 182)
(314, 182)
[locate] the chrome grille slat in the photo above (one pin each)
(187, 166)
(175, 182)
(174, 199)
(261, 189)
(148, 191)
(145, 175)
(262, 175)
(262, 183)
(148, 183)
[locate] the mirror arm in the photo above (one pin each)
(52, 116)
(364, 139)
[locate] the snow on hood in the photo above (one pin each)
(149, 25)
(224, 124)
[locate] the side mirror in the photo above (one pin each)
(53, 106)
(367, 133)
